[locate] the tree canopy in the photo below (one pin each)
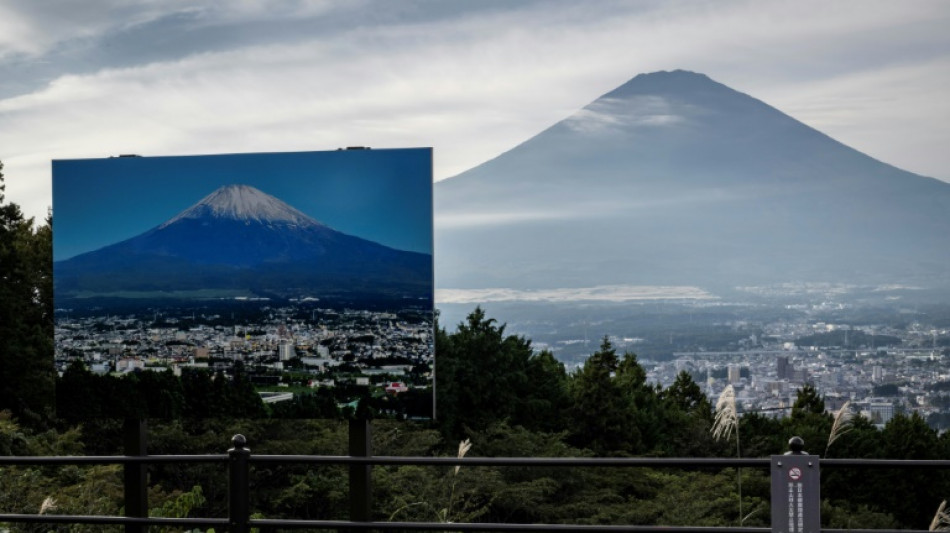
(26, 313)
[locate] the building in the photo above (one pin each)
(782, 367)
(734, 374)
(881, 412)
(286, 352)
(396, 387)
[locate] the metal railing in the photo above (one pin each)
(238, 461)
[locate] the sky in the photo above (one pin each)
(381, 195)
(471, 79)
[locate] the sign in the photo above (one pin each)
(796, 498)
(311, 270)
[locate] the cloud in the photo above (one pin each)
(600, 293)
(497, 218)
(610, 114)
(472, 80)
(34, 28)
(30, 28)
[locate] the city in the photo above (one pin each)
(292, 346)
(880, 369)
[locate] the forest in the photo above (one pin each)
(497, 397)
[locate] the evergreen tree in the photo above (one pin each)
(200, 398)
(684, 394)
(26, 314)
(687, 418)
(243, 401)
(162, 392)
(808, 401)
(603, 410)
(546, 408)
(484, 376)
(809, 420)
(77, 394)
(912, 494)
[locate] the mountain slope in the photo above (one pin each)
(673, 178)
(240, 239)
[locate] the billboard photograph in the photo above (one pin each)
(271, 284)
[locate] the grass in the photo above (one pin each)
(725, 424)
(841, 424)
(941, 521)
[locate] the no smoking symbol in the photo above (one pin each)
(795, 473)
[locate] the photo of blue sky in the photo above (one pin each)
(380, 195)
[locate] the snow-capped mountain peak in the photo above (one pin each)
(245, 203)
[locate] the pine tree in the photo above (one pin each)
(485, 376)
(26, 314)
(604, 406)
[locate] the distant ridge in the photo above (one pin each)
(239, 240)
(675, 179)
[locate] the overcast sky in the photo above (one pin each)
(469, 78)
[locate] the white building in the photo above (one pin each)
(286, 352)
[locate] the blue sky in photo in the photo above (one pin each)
(380, 195)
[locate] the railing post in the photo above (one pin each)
(361, 480)
(134, 475)
(796, 490)
(239, 498)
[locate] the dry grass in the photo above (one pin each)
(941, 521)
(727, 420)
(49, 504)
(841, 425)
(464, 447)
(448, 512)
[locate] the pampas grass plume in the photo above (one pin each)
(464, 447)
(726, 417)
(941, 521)
(841, 425)
(49, 504)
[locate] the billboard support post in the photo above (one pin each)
(361, 480)
(136, 490)
(239, 502)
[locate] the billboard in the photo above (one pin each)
(269, 284)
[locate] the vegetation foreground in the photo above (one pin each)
(496, 397)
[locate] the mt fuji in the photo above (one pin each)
(242, 202)
(674, 179)
(239, 240)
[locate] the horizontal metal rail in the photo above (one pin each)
(239, 459)
(109, 459)
(435, 526)
(380, 460)
(884, 463)
(111, 520)
(560, 528)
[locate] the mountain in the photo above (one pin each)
(239, 240)
(675, 179)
